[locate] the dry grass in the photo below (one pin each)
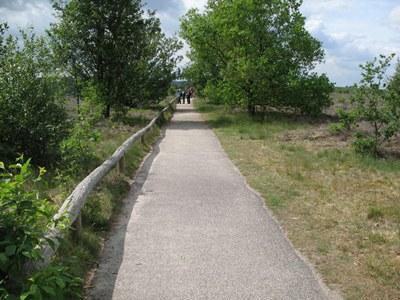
(340, 210)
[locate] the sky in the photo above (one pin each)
(351, 31)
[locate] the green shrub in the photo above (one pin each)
(347, 118)
(77, 150)
(32, 118)
(376, 105)
(365, 144)
(346, 123)
(53, 282)
(336, 128)
(25, 217)
(310, 94)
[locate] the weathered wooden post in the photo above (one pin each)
(77, 226)
(161, 119)
(121, 165)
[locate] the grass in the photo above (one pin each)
(105, 201)
(339, 209)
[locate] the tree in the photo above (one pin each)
(113, 45)
(256, 52)
(376, 102)
(153, 79)
(394, 84)
(32, 117)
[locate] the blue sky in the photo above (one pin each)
(352, 31)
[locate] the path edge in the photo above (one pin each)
(330, 293)
(136, 185)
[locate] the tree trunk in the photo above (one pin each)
(107, 111)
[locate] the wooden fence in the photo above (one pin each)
(70, 211)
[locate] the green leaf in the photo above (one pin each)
(24, 296)
(10, 250)
(60, 282)
(49, 290)
(3, 259)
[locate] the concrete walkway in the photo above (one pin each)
(192, 229)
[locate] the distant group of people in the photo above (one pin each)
(184, 95)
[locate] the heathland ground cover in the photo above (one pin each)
(340, 209)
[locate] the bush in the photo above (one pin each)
(365, 144)
(311, 94)
(346, 123)
(32, 119)
(347, 119)
(53, 282)
(336, 128)
(25, 217)
(77, 150)
(376, 105)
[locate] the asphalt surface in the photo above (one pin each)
(192, 229)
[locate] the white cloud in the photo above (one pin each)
(21, 15)
(169, 22)
(394, 17)
(200, 4)
(314, 24)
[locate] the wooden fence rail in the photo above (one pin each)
(72, 206)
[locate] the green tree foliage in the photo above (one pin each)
(394, 86)
(377, 103)
(24, 219)
(256, 52)
(32, 117)
(159, 61)
(3, 29)
(114, 45)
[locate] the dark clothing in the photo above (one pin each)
(188, 97)
(183, 97)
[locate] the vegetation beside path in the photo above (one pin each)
(68, 99)
(340, 209)
(36, 199)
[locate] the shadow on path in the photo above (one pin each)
(113, 252)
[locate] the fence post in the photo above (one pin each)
(161, 120)
(142, 140)
(121, 165)
(77, 226)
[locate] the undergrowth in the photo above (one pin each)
(29, 197)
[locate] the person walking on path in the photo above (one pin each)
(188, 95)
(183, 96)
(178, 96)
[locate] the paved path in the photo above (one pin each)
(196, 231)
